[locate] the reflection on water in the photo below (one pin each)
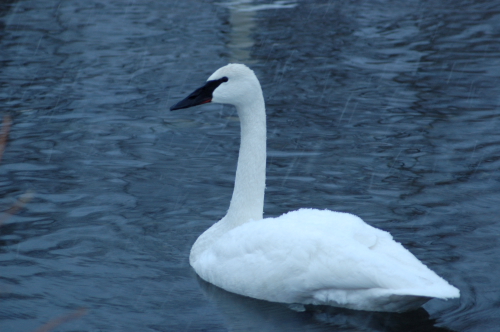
(383, 109)
(242, 23)
(242, 20)
(247, 314)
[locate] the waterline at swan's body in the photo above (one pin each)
(306, 256)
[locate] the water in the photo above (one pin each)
(380, 108)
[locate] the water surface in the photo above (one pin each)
(379, 108)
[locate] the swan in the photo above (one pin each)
(308, 256)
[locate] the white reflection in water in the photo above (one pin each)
(242, 20)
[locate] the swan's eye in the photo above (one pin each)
(224, 79)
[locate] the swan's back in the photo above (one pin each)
(320, 257)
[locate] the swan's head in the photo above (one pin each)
(233, 84)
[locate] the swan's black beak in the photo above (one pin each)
(200, 96)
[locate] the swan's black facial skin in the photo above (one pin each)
(200, 96)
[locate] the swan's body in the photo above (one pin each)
(306, 256)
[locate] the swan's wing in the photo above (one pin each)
(290, 258)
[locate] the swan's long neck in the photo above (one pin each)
(247, 202)
(248, 195)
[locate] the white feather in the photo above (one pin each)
(306, 256)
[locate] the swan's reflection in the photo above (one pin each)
(247, 314)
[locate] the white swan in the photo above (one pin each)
(303, 257)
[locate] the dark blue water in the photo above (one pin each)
(385, 109)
